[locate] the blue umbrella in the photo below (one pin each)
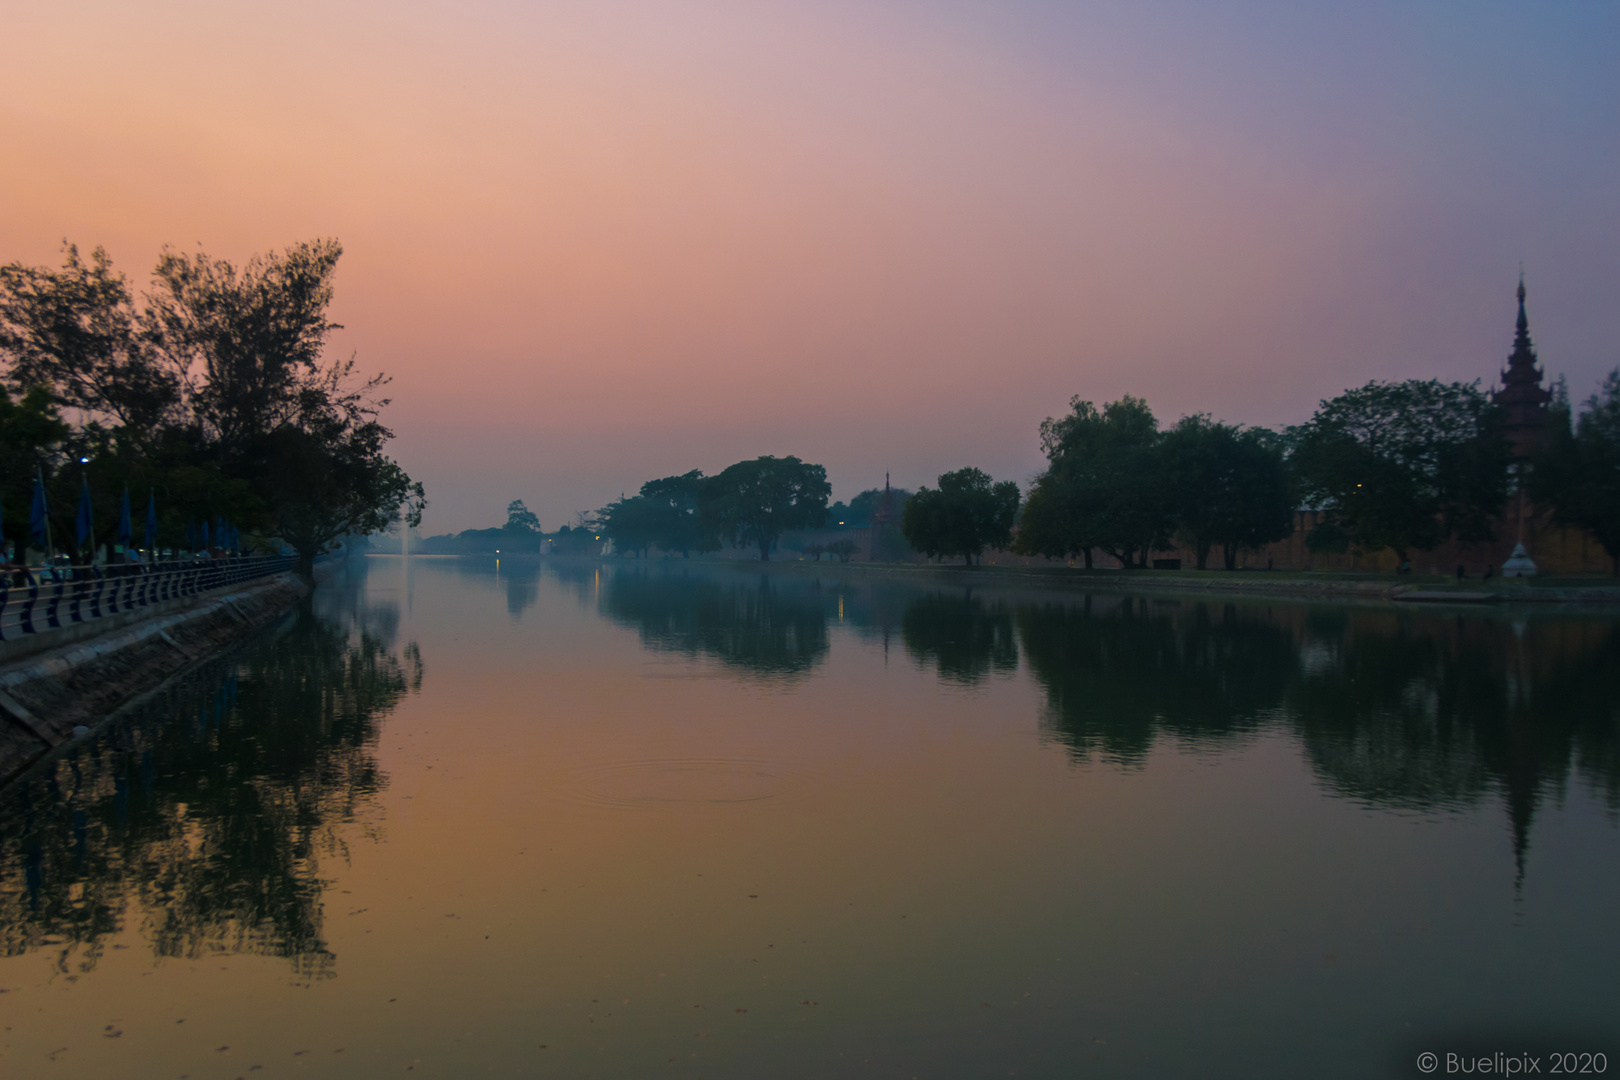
(87, 521)
(39, 523)
(151, 521)
(126, 534)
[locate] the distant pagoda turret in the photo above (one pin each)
(1522, 396)
(885, 512)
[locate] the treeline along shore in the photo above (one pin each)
(1414, 478)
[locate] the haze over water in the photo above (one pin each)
(460, 819)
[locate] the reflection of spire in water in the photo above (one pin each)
(1522, 788)
(1422, 712)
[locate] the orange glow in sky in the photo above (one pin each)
(595, 244)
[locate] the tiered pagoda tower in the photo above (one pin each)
(885, 512)
(1522, 396)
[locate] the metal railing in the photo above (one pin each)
(40, 599)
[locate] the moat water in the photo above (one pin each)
(457, 819)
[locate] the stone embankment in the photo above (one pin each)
(55, 686)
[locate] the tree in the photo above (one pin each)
(520, 519)
(1403, 465)
(755, 502)
(631, 523)
(1105, 486)
(334, 481)
(249, 344)
(843, 549)
(216, 394)
(31, 438)
(1230, 487)
(678, 524)
(967, 513)
(1579, 473)
(76, 332)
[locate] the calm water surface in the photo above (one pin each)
(633, 821)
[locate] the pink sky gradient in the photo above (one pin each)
(595, 243)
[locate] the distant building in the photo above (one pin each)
(1522, 396)
(886, 514)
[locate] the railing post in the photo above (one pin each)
(52, 616)
(74, 587)
(28, 607)
(97, 585)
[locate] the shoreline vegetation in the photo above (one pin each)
(212, 395)
(1414, 477)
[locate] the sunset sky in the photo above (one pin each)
(600, 242)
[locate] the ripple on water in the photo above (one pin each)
(666, 782)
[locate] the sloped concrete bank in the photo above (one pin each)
(77, 684)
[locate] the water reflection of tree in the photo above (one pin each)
(759, 625)
(965, 638)
(208, 811)
(521, 577)
(1401, 709)
(1119, 671)
(518, 576)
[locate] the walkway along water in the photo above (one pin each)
(83, 642)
